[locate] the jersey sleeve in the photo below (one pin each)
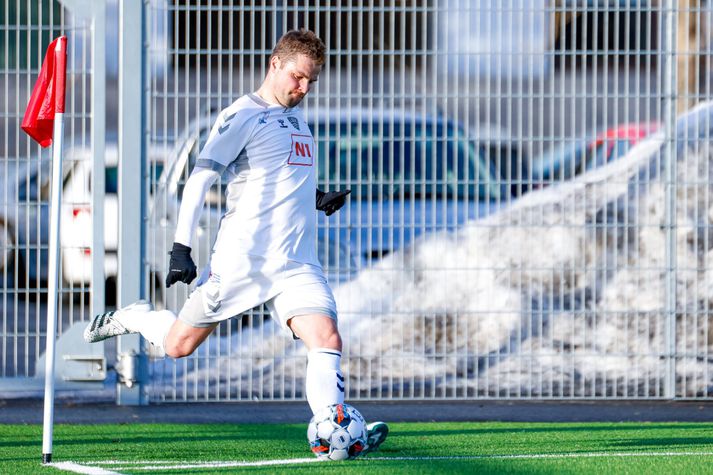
(192, 204)
(228, 138)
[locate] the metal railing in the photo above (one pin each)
(474, 282)
(25, 171)
(530, 204)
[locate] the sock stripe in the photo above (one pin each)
(340, 377)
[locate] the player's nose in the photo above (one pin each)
(305, 86)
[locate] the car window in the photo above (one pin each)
(111, 177)
(621, 147)
(27, 189)
(607, 151)
(111, 180)
(507, 165)
(411, 160)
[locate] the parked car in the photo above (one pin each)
(24, 222)
(505, 152)
(574, 157)
(76, 228)
(409, 175)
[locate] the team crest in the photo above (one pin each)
(282, 123)
(295, 123)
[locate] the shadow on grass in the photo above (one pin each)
(176, 435)
(692, 442)
(624, 427)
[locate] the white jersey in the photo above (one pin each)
(269, 154)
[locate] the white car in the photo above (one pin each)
(76, 220)
(76, 228)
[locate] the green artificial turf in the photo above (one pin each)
(530, 448)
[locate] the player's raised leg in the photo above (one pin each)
(138, 317)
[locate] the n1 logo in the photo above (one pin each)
(302, 151)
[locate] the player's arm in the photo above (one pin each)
(181, 266)
(331, 201)
(227, 139)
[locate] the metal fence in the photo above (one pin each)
(27, 27)
(530, 209)
(494, 244)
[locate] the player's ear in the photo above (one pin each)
(275, 63)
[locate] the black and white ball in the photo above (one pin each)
(337, 432)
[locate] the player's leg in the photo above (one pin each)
(182, 339)
(176, 337)
(321, 336)
(324, 381)
(138, 317)
(309, 311)
(306, 307)
(316, 331)
(190, 329)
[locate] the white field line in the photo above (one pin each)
(78, 468)
(168, 465)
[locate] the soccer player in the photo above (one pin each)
(265, 250)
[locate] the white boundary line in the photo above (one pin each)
(168, 465)
(79, 468)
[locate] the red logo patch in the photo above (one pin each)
(302, 152)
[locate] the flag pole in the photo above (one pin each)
(52, 298)
(43, 122)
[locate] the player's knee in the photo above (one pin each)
(317, 331)
(330, 340)
(179, 349)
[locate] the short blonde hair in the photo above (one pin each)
(300, 41)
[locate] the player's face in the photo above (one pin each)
(294, 79)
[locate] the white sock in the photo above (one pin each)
(152, 325)
(324, 382)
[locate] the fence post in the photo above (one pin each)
(131, 357)
(669, 156)
(98, 86)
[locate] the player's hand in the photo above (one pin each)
(331, 201)
(181, 267)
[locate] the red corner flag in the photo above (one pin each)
(48, 95)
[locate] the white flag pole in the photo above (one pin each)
(52, 298)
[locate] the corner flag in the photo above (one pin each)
(48, 95)
(43, 122)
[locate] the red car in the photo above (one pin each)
(616, 142)
(574, 157)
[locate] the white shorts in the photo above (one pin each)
(288, 288)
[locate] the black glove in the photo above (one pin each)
(331, 201)
(181, 266)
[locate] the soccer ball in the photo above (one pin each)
(337, 432)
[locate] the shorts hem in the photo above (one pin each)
(310, 311)
(196, 324)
